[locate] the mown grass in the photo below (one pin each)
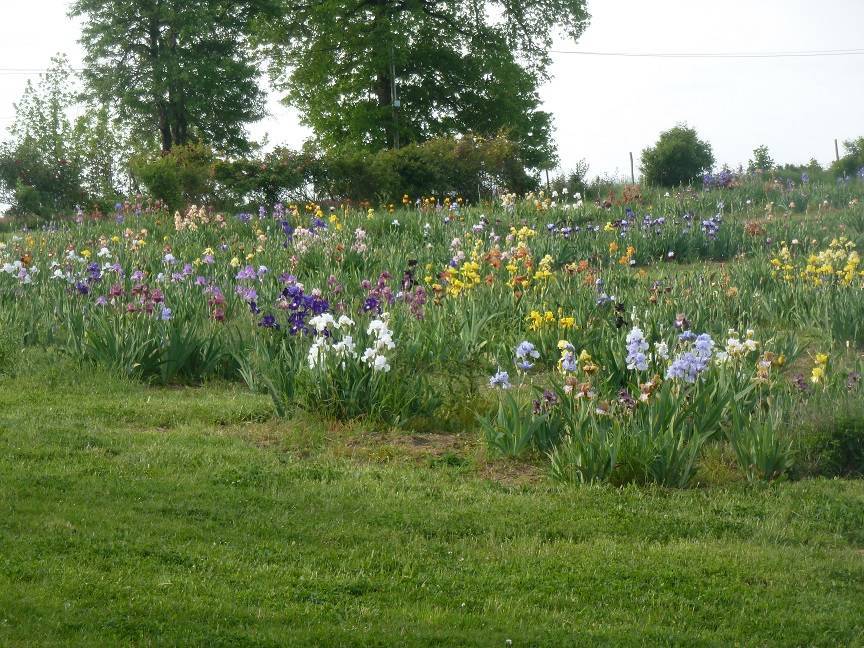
(136, 515)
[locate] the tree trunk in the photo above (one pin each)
(167, 140)
(160, 105)
(384, 89)
(175, 95)
(384, 80)
(165, 128)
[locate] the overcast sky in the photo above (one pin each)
(605, 107)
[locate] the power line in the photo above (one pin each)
(31, 71)
(669, 55)
(721, 55)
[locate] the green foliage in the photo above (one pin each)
(180, 177)
(588, 454)
(276, 370)
(796, 173)
(831, 442)
(464, 166)
(678, 157)
(472, 167)
(455, 68)
(106, 149)
(516, 428)
(475, 311)
(354, 391)
(40, 169)
(852, 162)
(283, 175)
(178, 71)
(658, 442)
(11, 341)
(163, 352)
(573, 182)
(762, 449)
(51, 164)
(762, 160)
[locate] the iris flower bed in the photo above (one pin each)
(614, 342)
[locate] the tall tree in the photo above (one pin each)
(376, 73)
(178, 70)
(52, 163)
(40, 166)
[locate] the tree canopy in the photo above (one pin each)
(678, 157)
(177, 70)
(40, 166)
(377, 73)
(852, 163)
(52, 163)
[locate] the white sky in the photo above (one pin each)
(605, 107)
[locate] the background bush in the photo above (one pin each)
(468, 166)
(50, 165)
(852, 163)
(678, 157)
(179, 178)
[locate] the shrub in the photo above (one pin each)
(679, 157)
(762, 160)
(33, 183)
(799, 174)
(356, 175)
(465, 166)
(851, 164)
(179, 178)
(574, 182)
(282, 175)
(51, 164)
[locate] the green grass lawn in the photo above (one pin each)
(133, 515)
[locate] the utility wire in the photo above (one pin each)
(669, 55)
(33, 71)
(709, 55)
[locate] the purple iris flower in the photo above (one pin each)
(246, 294)
(246, 273)
(268, 321)
(94, 272)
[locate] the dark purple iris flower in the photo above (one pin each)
(268, 321)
